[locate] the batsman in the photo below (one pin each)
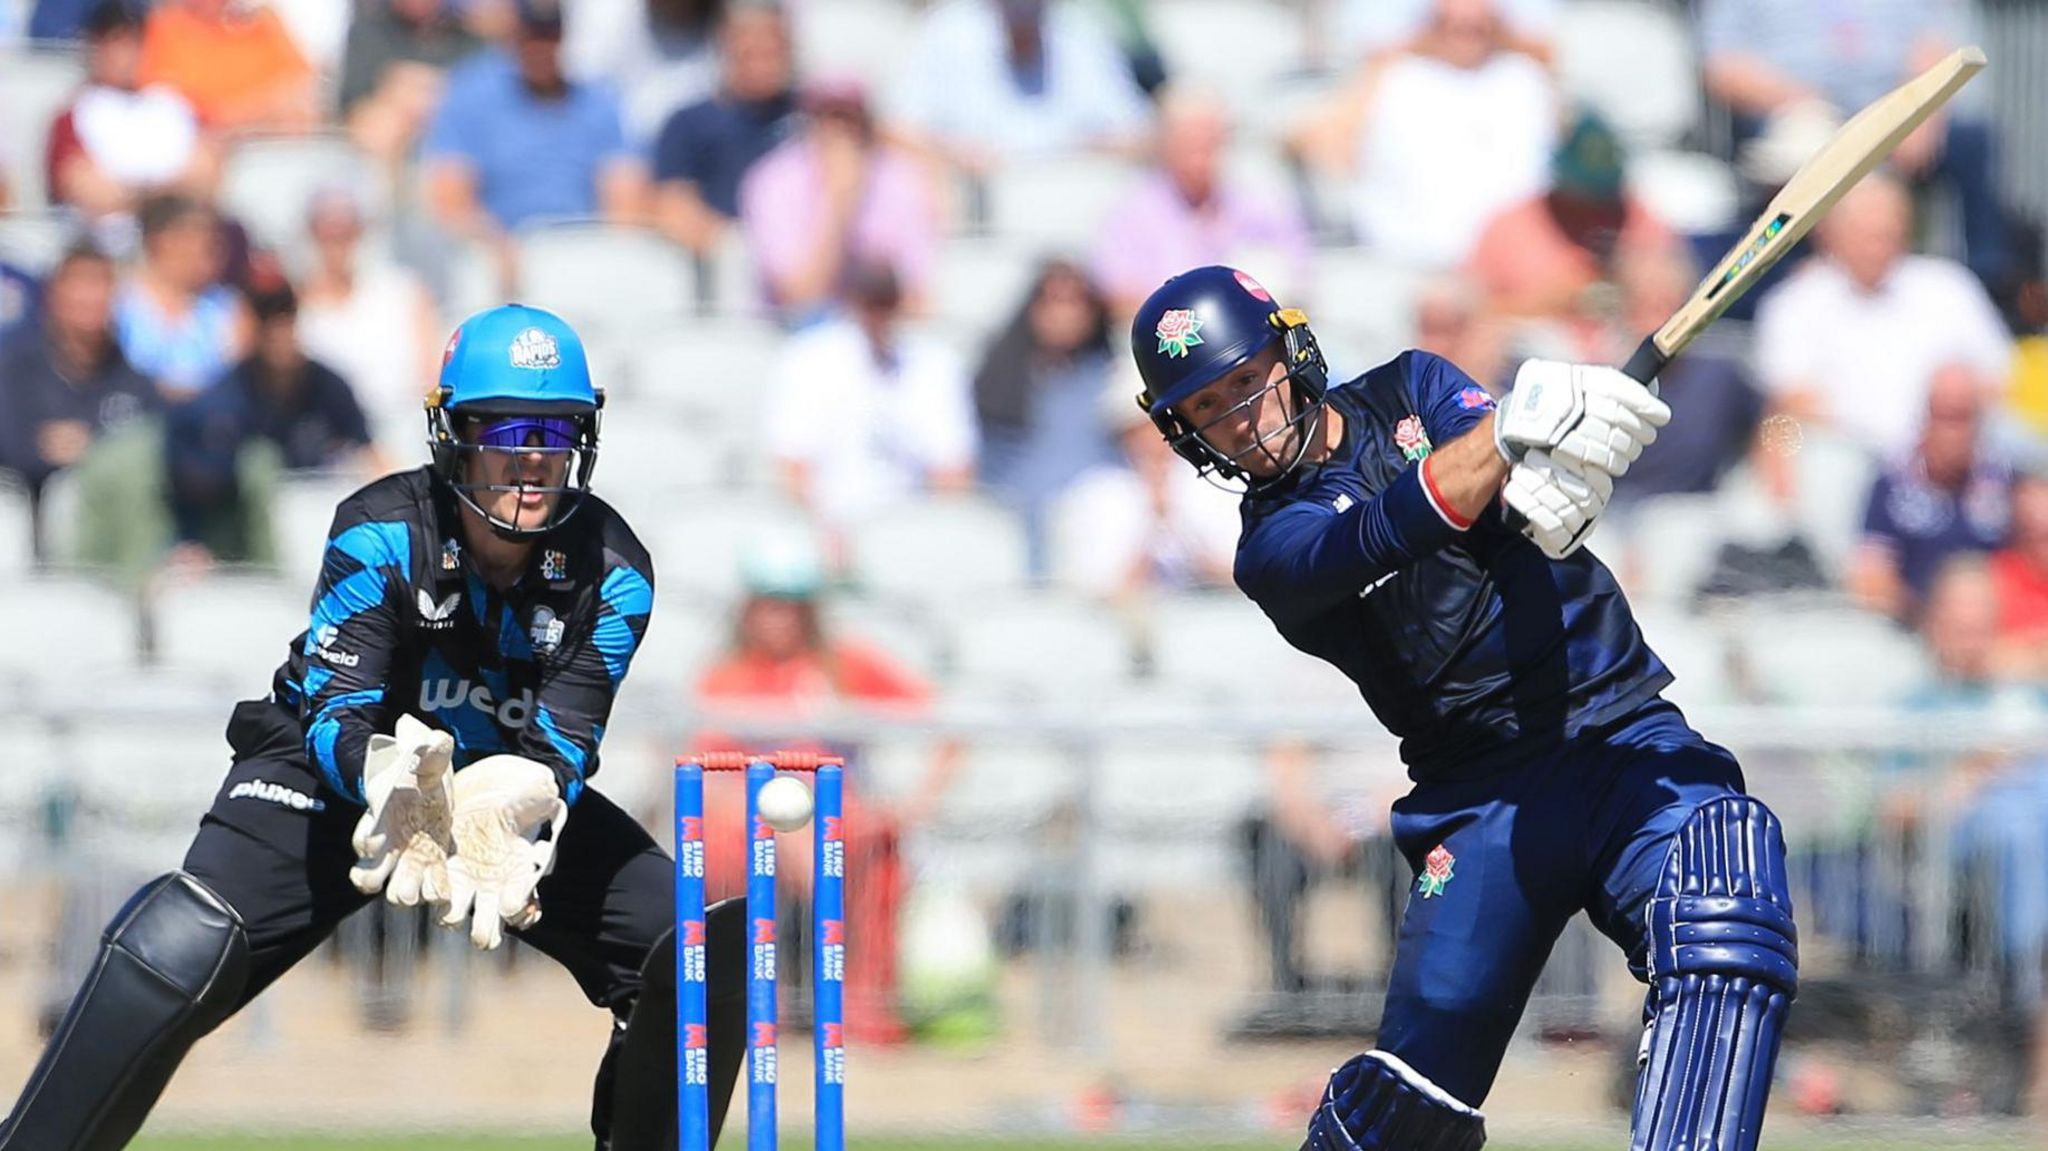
(1428, 543)
(430, 738)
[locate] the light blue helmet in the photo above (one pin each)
(515, 379)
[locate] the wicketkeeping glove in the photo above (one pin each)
(1589, 417)
(502, 804)
(403, 839)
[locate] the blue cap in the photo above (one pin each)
(516, 358)
(1196, 327)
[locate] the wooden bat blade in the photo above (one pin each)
(1859, 146)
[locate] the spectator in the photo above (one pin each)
(1538, 257)
(1716, 404)
(302, 415)
(1380, 28)
(1186, 213)
(783, 663)
(705, 149)
(235, 62)
(1145, 524)
(2020, 575)
(659, 54)
(1439, 137)
(836, 193)
(64, 382)
(393, 70)
(177, 323)
(1948, 497)
(1451, 320)
(515, 142)
(1852, 338)
(2027, 400)
(369, 318)
(120, 141)
(1035, 396)
(861, 414)
(990, 81)
(21, 299)
(1766, 59)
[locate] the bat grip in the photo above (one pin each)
(1646, 363)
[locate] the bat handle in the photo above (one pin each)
(1646, 363)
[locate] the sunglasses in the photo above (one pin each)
(526, 433)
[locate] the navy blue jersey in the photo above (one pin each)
(1470, 645)
(402, 623)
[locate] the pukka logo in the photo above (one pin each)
(1178, 330)
(438, 616)
(1436, 872)
(535, 349)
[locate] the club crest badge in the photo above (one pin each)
(1411, 439)
(546, 630)
(1436, 872)
(535, 349)
(1253, 288)
(1179, 329)
(451, 555)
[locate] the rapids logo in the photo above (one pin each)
(438, 616)
(448, 694)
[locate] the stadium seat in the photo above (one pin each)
(142, 786)
(1672, 542)
(604, 276)
(1632, 61)
(707, 373)
(1239, 48)
(67, 629)
(1218, 645)
(893, 629)
(1369, 298)
(1004, 786)
(34, 241)
(698, 543)
(644, 456)
(934, 550)
(1166, 810)
(35, 85)
(1048, 645)
(301, 512)
(228, 629)
(1693, 647)
(978, 283)
(1056, 204)
(17, 532)
(1828, 657)
(685, 635)
(868, 39)
(267, 183)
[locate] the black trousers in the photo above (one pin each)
(276, 847)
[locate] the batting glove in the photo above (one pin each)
(1590, 417)
(1558, 504)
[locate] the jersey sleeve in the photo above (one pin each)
(576, 693)
(1313, 553)
(1450, 402)
(349, 646)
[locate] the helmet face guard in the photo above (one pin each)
(463, 439)
(1307, 372)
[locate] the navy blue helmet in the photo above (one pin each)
(1200, 325)
(516, 380)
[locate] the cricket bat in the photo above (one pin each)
(1860, 145)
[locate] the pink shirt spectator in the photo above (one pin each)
(1153, 234)
(783, 206)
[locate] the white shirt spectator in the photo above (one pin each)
(869, 433)
(1104, 526)
(958, 86)
(320, 27)
(1443, 148)
(369, 338)
(141, 139)
(1368, 26)
(1870, 355)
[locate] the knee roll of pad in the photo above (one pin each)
(1376, 1102)
(1724, 968)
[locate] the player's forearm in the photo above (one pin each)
(1465, 475)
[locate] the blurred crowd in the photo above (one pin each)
(1451, 174)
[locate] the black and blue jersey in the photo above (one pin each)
(401, 622)
(1469, 644)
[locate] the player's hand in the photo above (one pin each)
(1558, 504)
(1590, 417)
(502, 805)
(403, 839)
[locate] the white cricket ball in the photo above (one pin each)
(784, 803)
